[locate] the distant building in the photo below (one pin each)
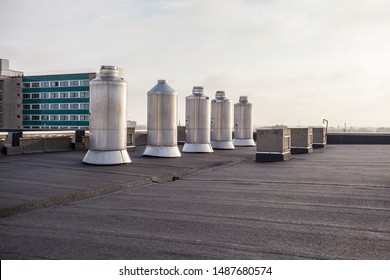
(58, 101)
(53, 101)
(10, 96)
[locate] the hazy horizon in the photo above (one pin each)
(297, 61)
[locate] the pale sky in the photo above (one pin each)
(297, 61)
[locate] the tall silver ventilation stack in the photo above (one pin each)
(107, 124)
(221, 122)
(162, 122)
(243, 123)
(198, 113)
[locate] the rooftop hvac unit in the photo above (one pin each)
(273, 144)
(301, 140)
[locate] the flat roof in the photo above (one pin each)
(331, 204)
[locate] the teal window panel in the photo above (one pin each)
(62, 77)
(57, 123)
(55, 89)
(55, 112)
(55, 100)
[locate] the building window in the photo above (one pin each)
(44, 117)
(18, 116)
(26, 95)
(84, 83)
(35, 118)
(84, 117)
(35, 84)
(84, 106)
(74, 94)
(26, 107)
(64, 83)
(74, 83)
(35, 95)
(64, 95)
(74, 117)
(26, 85)
(35, 106)
(26, 118)
(54, 106)
(45, 84)
(54, 118)
(84, 94)
(44, 95)
(64, 117)
(53, 94)
(45, 106)
(64, 106)
(54, 84)
(74, 106)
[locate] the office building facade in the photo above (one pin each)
(59, 101)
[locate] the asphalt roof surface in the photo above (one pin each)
(331, 204)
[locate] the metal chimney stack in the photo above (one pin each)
(243, 123)
(107, 124)
(162, 121)
(198, 113)
(221, 122)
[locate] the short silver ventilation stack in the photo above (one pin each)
(221, 122)
(162, 122)
(198, 113)
(243, 123)
(107, 123)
